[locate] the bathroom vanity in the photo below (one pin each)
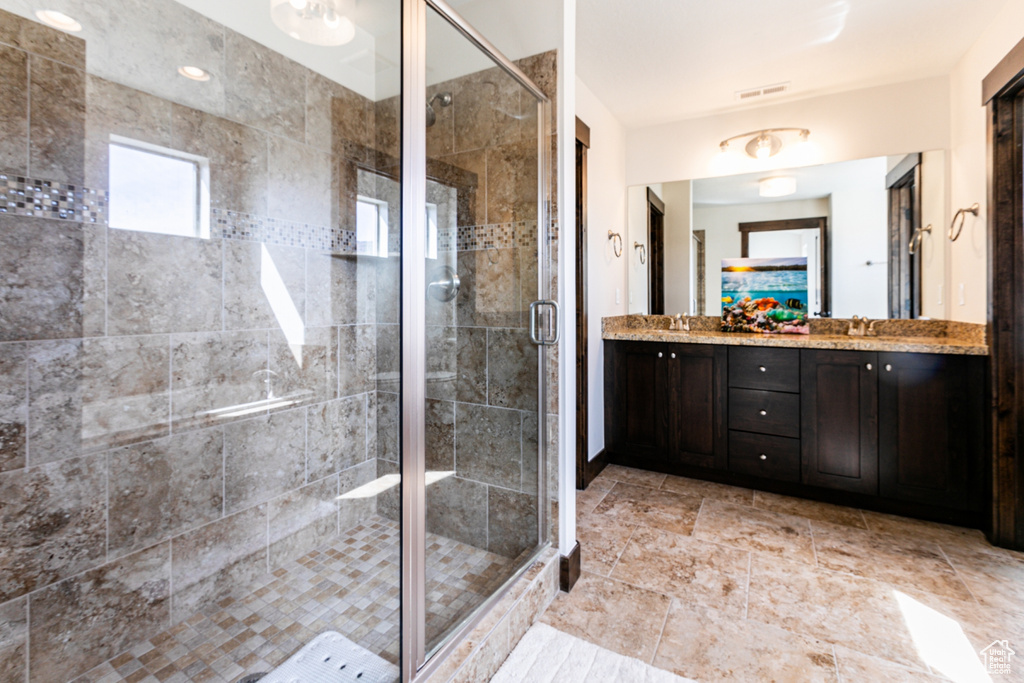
(893, 423)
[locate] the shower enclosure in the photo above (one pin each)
(275, 326)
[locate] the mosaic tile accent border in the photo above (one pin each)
(234, 225)
(496, 236)
(24, 196)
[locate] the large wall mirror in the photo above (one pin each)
(872, 230)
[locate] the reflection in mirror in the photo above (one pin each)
(863, 225)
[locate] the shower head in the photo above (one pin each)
(442, 98)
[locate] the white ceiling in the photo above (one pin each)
(663, 60)
(812, 182)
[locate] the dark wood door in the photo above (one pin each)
(698, 376)
(931, 441)
(839, 420)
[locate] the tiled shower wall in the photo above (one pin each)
(161, 439)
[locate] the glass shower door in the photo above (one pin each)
(483, 370)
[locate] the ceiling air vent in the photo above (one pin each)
(763, 91)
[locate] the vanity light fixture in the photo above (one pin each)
(58, 20)
(194, 73)
(764, 143)
(776, 186)
(316, 22)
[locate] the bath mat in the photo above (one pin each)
(333, 658)
(545, 655)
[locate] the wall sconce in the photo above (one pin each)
(616, 240)
(764, 144)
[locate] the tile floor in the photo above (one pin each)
(715, 582)
(350, 586)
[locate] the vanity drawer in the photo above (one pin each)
(757, 367)
(771, 457)
(764, 412)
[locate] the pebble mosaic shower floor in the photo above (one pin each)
(350, 586)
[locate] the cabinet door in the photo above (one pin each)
(931, 411)
(697, 383)
(637, 398)
(839, 430)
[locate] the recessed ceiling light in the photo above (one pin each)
(194, 73)
(58, 20)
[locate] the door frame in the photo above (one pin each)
(904, 267)
(655, 255)
(819, 223)
(1003, 96)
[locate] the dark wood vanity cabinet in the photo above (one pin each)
(665, 402)
(902, 432)
(931, 430)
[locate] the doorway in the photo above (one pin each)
(904, 185)
(582, 376)
(656, 242)
(809, 237)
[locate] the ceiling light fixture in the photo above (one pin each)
(316, 22)
(194, 73)
(777, 186)
(58, 20)
(764, 144)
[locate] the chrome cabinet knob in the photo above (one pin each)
(673, 355)
(868, 366)
(888, 368)
(764, 412)
(763, 369)
(763, 456)
(660, 354)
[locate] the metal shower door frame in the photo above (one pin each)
(416, 662)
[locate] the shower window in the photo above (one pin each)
(372, 227)
(159, 190)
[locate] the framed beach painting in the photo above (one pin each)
(766, 295)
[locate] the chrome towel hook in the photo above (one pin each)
(962, 215)
(616, 240)
(918, 238)
(643, 252)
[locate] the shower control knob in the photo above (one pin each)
(763, 456)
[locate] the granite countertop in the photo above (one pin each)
(966, 339)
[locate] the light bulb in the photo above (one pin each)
(332, 19)
(299, 5)
(764, 147)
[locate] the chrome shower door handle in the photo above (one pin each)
(536, 308)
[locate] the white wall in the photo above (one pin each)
(606, 210)
(860, 233)
(968, 182)
(935, 248)
(678, 241)
(891, 119)
(722, 236)
(636, 232)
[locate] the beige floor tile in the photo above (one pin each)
(708, 645)
(760, 531)
(708, 489)
(601, 540)
(630, 504)
(901, 560)
(855, 666)
(587, 500)
(994, 576)
(811, 509)
(629, 475)
(893, 524)
(860, 613)
(612, 614)
(694, 571)
(603, 483)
